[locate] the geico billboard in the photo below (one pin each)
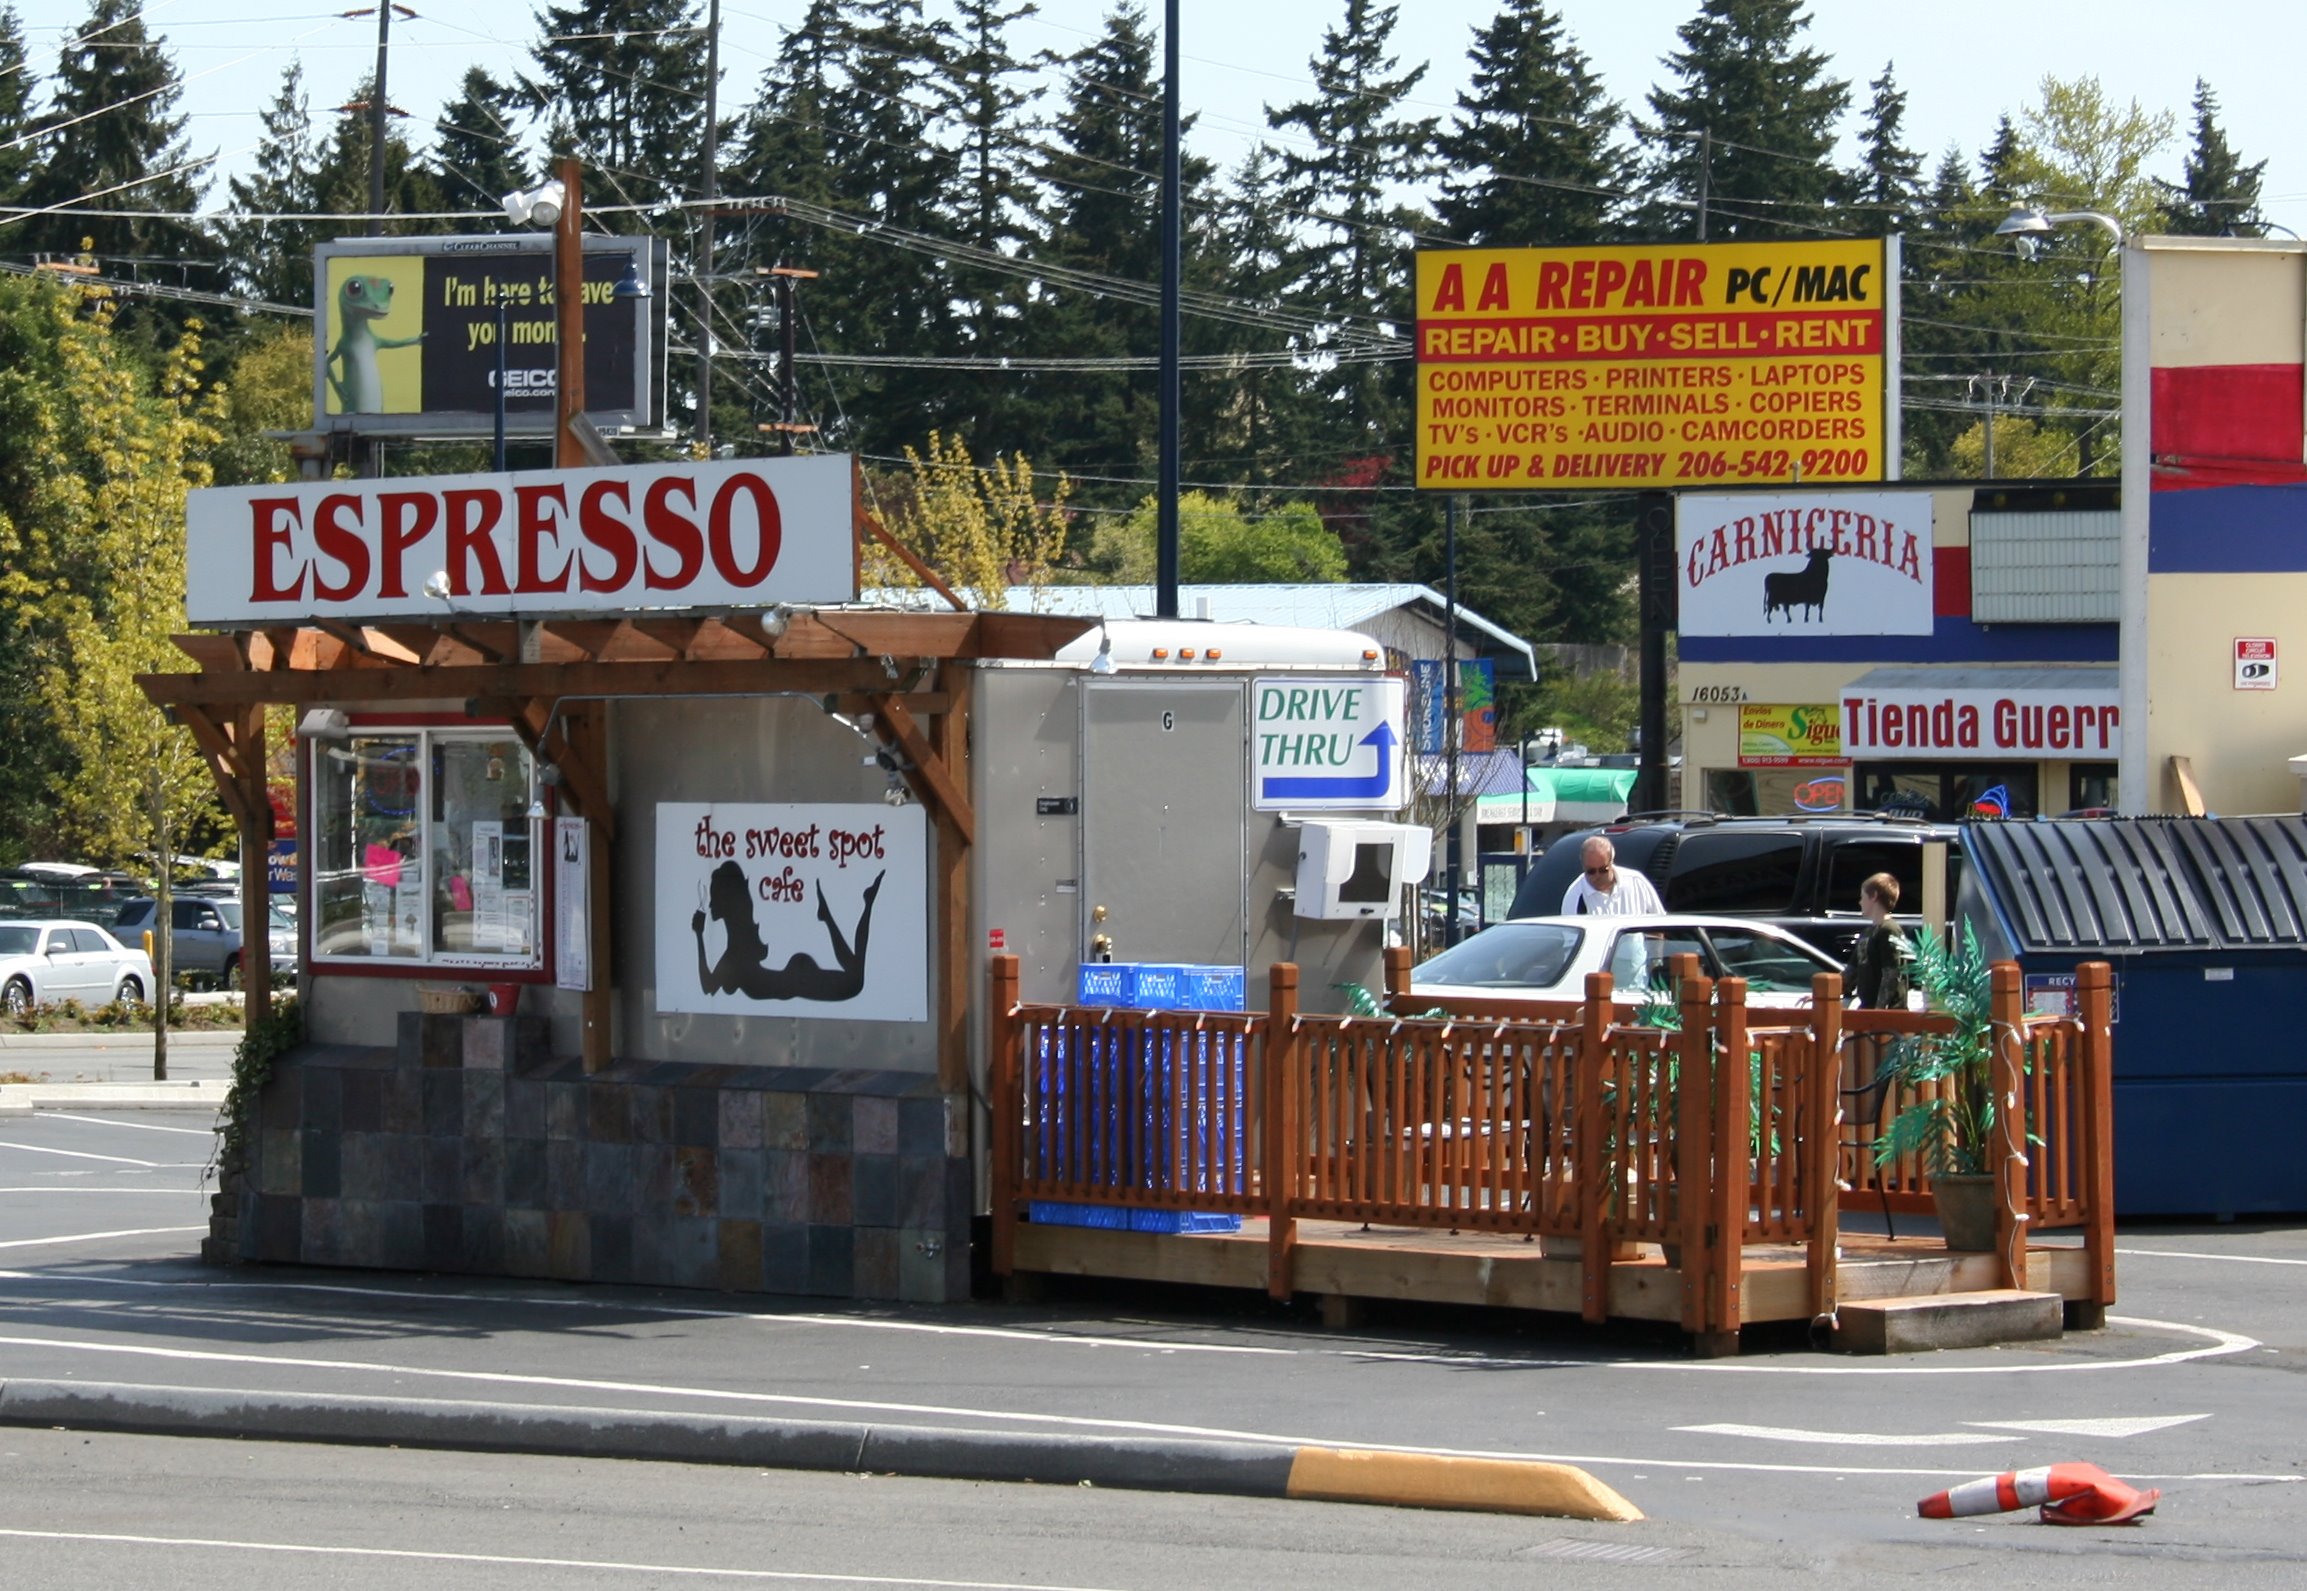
(1657, 365)
(733, 533)
(405, 335)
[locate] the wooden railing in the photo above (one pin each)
(1548, 1119)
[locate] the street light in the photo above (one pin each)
(538, 207)
(2028, 225)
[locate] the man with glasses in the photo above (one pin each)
(1604, 889)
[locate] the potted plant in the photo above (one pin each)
(1952, 1126)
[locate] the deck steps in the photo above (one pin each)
(1921, 1324)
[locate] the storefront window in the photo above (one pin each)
(422, 850)
(1949, 792)
(2091, 787)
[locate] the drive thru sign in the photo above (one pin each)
(1328, 743)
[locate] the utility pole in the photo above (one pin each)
(705, 230)
(376, 111)
(1173, 265)
(1453, 872)
(1991, 391)
(569, 317)
(1705, 175)
(1656, 605)
(786, 425)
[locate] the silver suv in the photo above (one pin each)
(206, 938)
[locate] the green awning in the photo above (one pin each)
(1562, 795)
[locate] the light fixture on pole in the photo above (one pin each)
(2028, 226)
(629, 286)
(537, 207)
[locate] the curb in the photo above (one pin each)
(113, 1039)
(1235, 1469)
(207, 1094)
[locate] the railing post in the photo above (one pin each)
(1589, 1154)
(1733, 1169)
(1397, 975)
(1282, 1141)
(2095, 988)
(1822, 1154)
(1008, 1091)
(2007, 1144)
(1694, 1145)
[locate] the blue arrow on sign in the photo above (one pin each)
(1343, 787)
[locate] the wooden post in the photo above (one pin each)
(1397, 975)
(569, 320)
(1694, 1146)
(949, 738)
(1005, 1088)
(2095, 989)
(255, 866)
(1590, 1153)
(2007, 1145)
(1733, 1173)
(1282, 1140)
(1822, 1149)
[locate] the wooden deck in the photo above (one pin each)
(1342, 1260)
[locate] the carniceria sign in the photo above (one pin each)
(1327, 743)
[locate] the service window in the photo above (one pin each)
(424, 850)
(1719, 872)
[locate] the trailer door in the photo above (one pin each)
(1164, 821)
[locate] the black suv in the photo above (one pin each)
(1800, 873)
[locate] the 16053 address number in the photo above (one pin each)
(1716, 695)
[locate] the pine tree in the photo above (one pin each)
(1352, 260)
(1888, 183)
(340, 180)
(995, 212)
(476, 154)
(1255, 423)
(1533, 156)
(272, 259)
(621, 84)
(19, 87)
(2220, 196)
(1999, 162)
(1742, 145)
(112, 139)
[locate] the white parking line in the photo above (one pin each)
(82, 1154)
(1788, 1433)
(411, 1555)
(2222, 1342)
(92, 1237)
(2188, 1254)
(140, 1126)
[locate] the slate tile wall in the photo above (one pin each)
(468, 1148)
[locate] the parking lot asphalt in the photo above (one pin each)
(2195, 1387)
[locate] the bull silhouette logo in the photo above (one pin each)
(1803, 588)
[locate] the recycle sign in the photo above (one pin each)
(1325, 743)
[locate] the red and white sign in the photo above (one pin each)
(2083, 723)
(732, 533)
(1804, 563)
(2255, 663)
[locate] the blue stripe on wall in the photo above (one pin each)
(1952, 640)
(2228, 530)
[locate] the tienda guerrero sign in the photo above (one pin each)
(1656, 365)
(735, 533)
(2081, 721)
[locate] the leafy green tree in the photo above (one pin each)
(270, 390)
(2220, 194)
(1534, 155)
(272, 258)
(982, 527)
(1741, 147)
(1220, 544)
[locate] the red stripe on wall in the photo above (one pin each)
(1951, 582)
(2225, 425)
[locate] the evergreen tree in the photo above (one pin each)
(1353, 259)
(112, 138)
(1255, 422)
(272, 258)
(1888, 182)
(340, 181)
(621, 84)
(1999, 163)
(1940, 305)
(2220, 196)
(989, 104)
(18, 88)
(476, 154)
(1533, 157)
(1742, 145)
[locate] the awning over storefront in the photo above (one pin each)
(1562, 795)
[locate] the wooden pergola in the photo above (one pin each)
(551, 681)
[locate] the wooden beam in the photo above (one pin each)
(677, 634)
(1024, 635)
(210, 732)
(950, 746)
(867, 525)
(256, 855)
(552, 681)
(935, 781)
(376, 643)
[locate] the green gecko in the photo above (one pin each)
(362, 299)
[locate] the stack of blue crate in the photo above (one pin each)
(1214, 1159)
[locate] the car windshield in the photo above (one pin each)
(1508, 956)
(16, 940)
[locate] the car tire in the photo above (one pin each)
(130, 992)
(16, 999)
(232, 975)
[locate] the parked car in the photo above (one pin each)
(206, 940)
(56, 889)
(43, 963)
(1548, 958)
(1797, 873)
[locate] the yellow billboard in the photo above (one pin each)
(1789, 737)
(1656, 365)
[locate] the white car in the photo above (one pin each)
(45, 963)
(1548, 958)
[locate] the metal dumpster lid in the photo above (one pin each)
(2147, 884)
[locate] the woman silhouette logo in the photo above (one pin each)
(744, 965)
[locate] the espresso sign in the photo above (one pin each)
(733, 533)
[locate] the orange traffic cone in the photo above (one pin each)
(2069, 1494)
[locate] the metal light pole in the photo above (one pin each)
(1173, 265)
(1454, 873)
(498, 456)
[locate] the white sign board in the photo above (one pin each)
(2256, 666)
(793, 910)
(2082, 723)
(1327, 743)
(1804, 563)
(734, 533)
(572, 906)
